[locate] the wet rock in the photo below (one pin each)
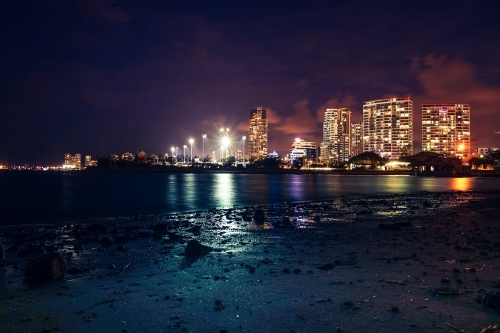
(219, 306)
(259, 216)
(394, 309)
(286, 221)
(195, 248)
(326, 266)
(491, 299)
(246, 216)
(45, 268)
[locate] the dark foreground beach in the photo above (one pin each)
(393, 263)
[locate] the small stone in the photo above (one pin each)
(326, 266)
(195, 248)
(218, 305)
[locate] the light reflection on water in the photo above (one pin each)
(461, 184)
(67, 196)
(224, 190)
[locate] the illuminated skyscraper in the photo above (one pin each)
(388, 127)
(336, 145)
(356, 138)
(257, 134)
(72, 161)
(446, 129)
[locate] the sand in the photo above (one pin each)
(334, 269)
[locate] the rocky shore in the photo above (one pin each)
(421, 262)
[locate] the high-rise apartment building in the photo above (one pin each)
(388, 127)
(258, 134)
(72, 161)
(356, 138)
(446, 129)
(336, 145)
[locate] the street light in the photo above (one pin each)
(204, 136)
(173, 151)
(191, 142)
(184, 153)
(243, 148)
(225, 144)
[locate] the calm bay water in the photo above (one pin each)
(48, 197)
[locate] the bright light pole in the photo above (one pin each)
(225, 144)
(243, 148)
(191, 142)
(184, 153)
(204, 136)
(173, 151)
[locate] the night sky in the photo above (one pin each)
(103, 77)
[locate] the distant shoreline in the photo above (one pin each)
(252, 171)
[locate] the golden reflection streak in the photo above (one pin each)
(461, 184)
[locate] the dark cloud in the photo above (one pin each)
(454, 80)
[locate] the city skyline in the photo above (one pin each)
(104, 77)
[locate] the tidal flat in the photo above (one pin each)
(417, 262)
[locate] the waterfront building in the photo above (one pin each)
(482, 152)
(128, 156)
(446, 129)
(336, 145)
(72, 162)
(388, 127)
(258, 134)
(305, 149)
(88, 160)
